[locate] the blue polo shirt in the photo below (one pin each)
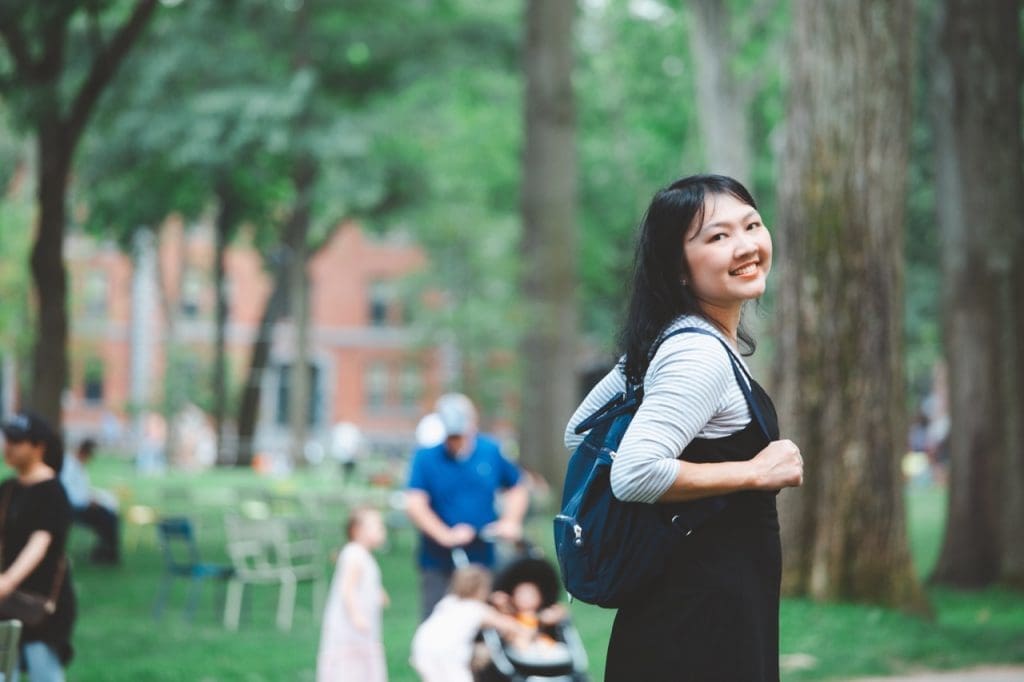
(461, 491)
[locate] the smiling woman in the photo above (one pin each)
(703, 252)
(727, 259)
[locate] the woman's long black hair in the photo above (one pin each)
(658, 296)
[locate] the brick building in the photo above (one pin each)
(368, 366)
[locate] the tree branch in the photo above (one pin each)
(104, 67)
(17, 47)
(55, 32)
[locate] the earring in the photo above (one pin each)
(683, 282)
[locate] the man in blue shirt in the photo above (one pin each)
(451, 497)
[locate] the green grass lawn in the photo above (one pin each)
(117, 638)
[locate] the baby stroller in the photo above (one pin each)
(564, 662)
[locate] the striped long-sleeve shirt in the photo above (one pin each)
(690, 391)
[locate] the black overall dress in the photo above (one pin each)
(714, 615)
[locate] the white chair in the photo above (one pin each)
(10, 636)
(267, 552)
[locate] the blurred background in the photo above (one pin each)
(246, 244)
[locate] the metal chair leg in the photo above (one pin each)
(194, 587)
(233, 604)
(286, 603)
(161, 595)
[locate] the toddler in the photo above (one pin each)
(442, 647)
(350, 641)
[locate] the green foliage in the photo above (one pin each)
(184, 382)
(922, 252)
(16, 218)
(637, 132)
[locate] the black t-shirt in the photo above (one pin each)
(30, 508)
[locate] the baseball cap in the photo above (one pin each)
(28, 426)
(457, 414)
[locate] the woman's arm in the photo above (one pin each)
(779, 465)
(26, 562)
(683, 391)
(687, 382)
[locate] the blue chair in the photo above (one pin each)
(181, 560)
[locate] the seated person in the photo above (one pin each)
(526, 604)
(96, 509)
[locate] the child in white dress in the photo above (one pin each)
(442, 647)
(350, 640)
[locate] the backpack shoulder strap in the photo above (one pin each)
(743, 378)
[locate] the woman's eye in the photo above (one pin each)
(754, 225)
(717, 237)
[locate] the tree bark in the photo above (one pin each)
(248, 409)
(298, 297)
(226, 218)
(722, 100)
(839, 371)
(977, 109)
(292, 254)
(549, 240)
(50, 357)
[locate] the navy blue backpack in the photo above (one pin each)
(609, 550)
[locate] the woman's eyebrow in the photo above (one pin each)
(725, 223)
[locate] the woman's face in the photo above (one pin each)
(728, 255)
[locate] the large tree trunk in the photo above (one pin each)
(839, 247)
(226, 217)
(722, 100)
(299, 379)
(249, 404)
(549, 240)
(50, 356)
(976, 103)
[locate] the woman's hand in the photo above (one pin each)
(778, 466)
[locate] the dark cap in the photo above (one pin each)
(28, 426)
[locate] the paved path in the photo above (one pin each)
(986, 674)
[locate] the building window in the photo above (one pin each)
(282, 406)
(410, 386)
(92, 381)
(376, 385)
(191, 294)
(382, 298)
(96, 294)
